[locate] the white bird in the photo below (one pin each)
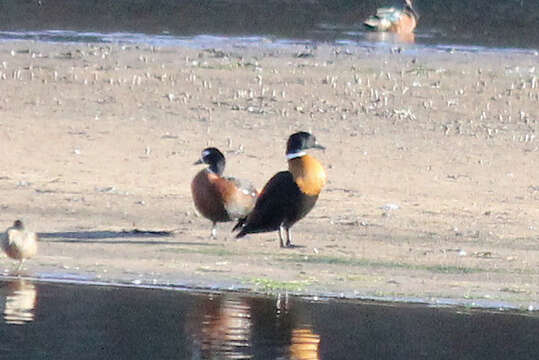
(19, 243)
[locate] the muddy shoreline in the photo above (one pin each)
(432, 190)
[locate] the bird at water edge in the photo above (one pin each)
(19, 243)
(219, 198)
(397, 20)
(289, 195)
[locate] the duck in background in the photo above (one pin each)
(396, 20)
(289, 195)
(219, 198)
(19, 243)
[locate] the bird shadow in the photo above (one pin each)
(135, 236)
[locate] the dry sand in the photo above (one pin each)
(432, 160)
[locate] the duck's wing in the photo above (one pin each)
(273, 205)
(383, 19)
(240, 198)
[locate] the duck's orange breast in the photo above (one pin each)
(308, 174)
(405, 25)
(207, 196)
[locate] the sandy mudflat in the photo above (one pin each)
(432, 160)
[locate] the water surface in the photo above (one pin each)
(481, 23)
(66, 321)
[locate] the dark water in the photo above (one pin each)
(478, 23)
(61, 321)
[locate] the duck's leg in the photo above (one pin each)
(288, 238)
(213, 231)
(281, 236)
(19, 268)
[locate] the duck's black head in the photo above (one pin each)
(300, 141)
(214, 158)
(17, 224)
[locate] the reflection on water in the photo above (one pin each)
(19, 300)
(223, 329)
(304, 345)
(304, 342)
(491, 23)
(224, 332)
(105, 322)
(390, 37)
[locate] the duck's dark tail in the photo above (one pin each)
(372, 23)
(239, 226)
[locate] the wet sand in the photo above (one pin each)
(431, 158)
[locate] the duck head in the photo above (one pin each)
(214, 158)
(300, 141)
(17, 224)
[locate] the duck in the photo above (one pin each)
(19, 243)
(219, 198)
(397, 20)
(289, 195)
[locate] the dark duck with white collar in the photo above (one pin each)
(219, 198)
(289, 195)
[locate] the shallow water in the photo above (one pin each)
(65, 321)
(481, 23)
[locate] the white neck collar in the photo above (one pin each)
(295, 155)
